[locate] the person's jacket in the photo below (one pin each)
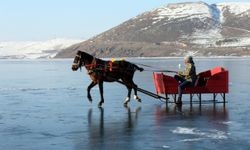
(189, 73)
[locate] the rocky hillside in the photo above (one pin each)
(176, 30)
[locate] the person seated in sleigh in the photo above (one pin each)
(186, 78)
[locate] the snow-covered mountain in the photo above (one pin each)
(34, 49)
(175, 30)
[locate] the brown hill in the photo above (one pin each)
(175, 30)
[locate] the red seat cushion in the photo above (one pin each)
(216, 70)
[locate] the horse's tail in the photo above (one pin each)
(138, 68)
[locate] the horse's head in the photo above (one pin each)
(81, 59)
(78, 61)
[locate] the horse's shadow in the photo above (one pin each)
(103, 130)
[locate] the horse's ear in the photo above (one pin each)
(79, 52)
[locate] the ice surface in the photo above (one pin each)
(44, 106)
(213, 134)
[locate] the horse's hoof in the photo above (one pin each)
(125, 104)
(100, 104)
(137, 98)
(90, 99)
(126, 101)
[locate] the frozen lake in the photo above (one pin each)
(43, 105)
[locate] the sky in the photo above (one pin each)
(33, 20)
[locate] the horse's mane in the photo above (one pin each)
(90, 57)
(86, 54)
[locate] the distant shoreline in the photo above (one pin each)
(130, 58)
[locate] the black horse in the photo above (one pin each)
(107, 71)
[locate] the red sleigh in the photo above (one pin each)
(213, 81)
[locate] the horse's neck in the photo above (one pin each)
(89, 59)
(98, 62)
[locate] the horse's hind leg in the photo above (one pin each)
(128, 96)
(135, 92)
(101, 93)
(92, 84)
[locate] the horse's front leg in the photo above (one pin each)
(92, 84)
(128, 96)
(100, 83)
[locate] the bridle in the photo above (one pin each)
(79, 63)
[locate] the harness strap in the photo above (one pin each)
(92, 65)
(110, 66)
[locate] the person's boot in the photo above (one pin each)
(179, 102)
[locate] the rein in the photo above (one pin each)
(155, 69)
(94, 66)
